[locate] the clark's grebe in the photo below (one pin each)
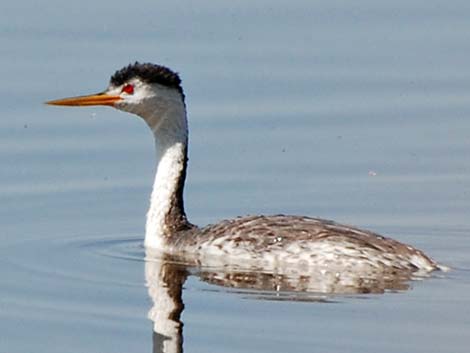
(154, 93)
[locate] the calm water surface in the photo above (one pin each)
(357, 112)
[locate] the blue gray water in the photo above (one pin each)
(353, 111)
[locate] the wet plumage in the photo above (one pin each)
(302, 241)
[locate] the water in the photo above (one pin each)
(356, 112)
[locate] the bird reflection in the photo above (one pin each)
(166, 275)
(165, 281)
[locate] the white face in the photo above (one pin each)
(133, 93)
(145, 99)
(151, 101)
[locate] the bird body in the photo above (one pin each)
(282, 240)
(154, 93)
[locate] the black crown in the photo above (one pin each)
(147, 72)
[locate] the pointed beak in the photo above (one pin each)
(92, 99)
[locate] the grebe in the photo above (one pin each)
(154, 93)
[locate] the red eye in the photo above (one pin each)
(129, 89)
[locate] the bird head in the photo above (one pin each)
(148, 90)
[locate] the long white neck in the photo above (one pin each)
(166, 215)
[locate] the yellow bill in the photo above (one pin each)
(92, 99)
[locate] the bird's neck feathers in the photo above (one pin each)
(166, 215)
